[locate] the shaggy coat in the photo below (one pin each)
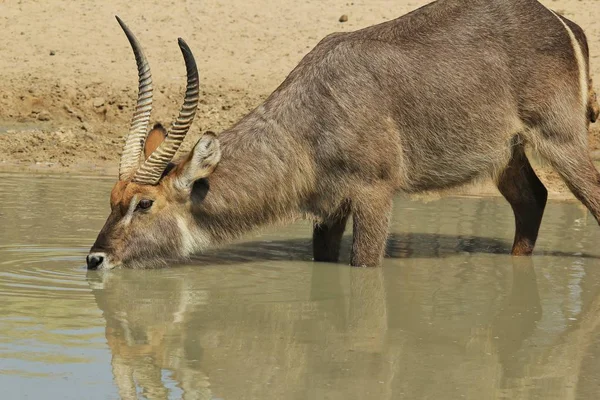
(448, 93)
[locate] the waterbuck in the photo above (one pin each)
(434, 99)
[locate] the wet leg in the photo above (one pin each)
(527, 196)
(371, 216)
(576, 168)
(327, 237)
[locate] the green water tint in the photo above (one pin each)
(449, 316)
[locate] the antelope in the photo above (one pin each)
(451, 92)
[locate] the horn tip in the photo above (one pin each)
(184, 46)
(121, 23)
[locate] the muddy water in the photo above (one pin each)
(450, 315)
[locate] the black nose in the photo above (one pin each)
(93, 261)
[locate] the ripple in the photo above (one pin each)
(41, 272)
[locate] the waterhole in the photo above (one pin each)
(450, 315)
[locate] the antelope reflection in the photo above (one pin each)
(435, 329)
(145, 331)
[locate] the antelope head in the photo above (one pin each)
(150, 219)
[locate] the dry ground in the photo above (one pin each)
(68, 78)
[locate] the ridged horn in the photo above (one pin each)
(134, 142)
(152, 169)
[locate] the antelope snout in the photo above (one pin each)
(95, 260)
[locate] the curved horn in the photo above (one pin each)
(152, 169)
(141, 116)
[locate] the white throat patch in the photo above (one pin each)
(193, 239)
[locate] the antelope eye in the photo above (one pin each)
(144, 204)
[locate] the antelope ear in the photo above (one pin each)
(201, 162)
(154, 139)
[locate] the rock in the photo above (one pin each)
(52, 52)
(43, 116)
(344, 18)
(98, 102)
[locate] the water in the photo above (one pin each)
(449, 316)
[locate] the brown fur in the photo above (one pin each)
(439, 97)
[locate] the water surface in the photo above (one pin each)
(449, 316)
